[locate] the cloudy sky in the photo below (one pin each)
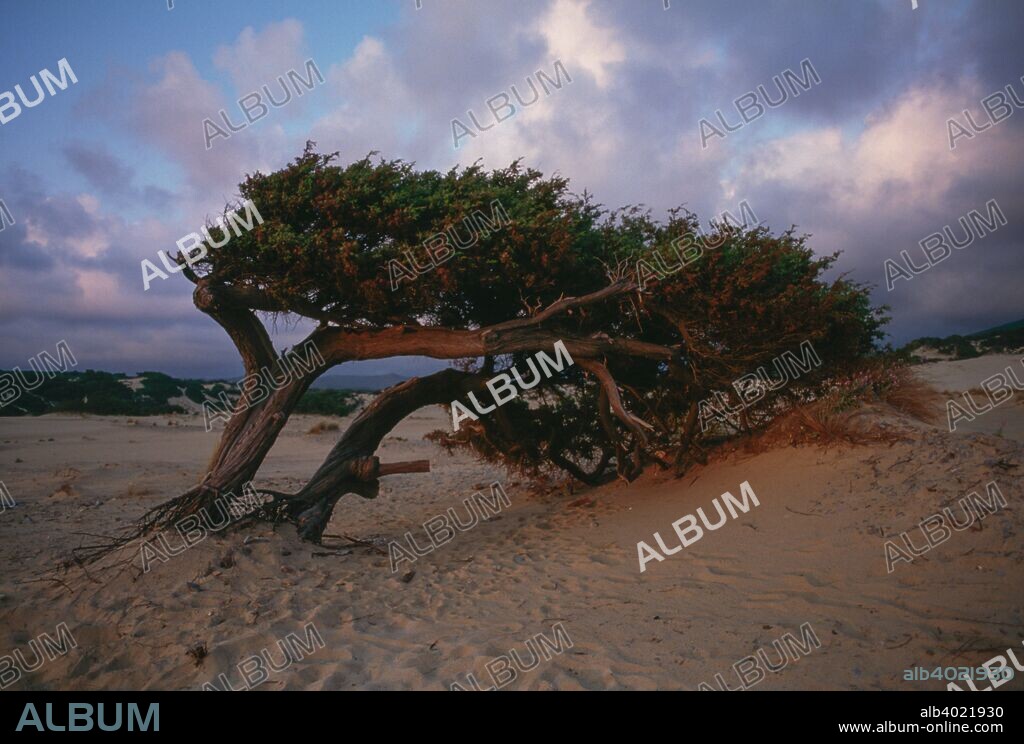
(115, 168)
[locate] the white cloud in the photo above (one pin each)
(258, 58)
(573, 37)
(900, 161)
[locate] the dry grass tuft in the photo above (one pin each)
(818, 423)
(322, 426)
(843, 415)
(912, 396)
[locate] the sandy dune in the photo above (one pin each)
(955, 378)
(811, 552)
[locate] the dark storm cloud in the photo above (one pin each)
(111, 176)
(861, 49)
(101, 169)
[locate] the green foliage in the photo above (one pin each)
(108, 394)
(101, 393)
(330, 231)
(749, 298)
(158, 386)
(1008, 337)
(328, 402)
(956, 346)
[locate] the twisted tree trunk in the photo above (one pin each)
(352, 466)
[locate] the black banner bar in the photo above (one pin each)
(152, 715)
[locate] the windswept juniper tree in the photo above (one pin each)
(487, 269)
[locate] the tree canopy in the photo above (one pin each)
(487, 268)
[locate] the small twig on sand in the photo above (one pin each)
(48, 580)
(356, 542)
(901, 645)
(803, 514)
(361, 617)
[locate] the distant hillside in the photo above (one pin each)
(371, 383)
(1006, 338)
(1004, 328)
(148, 394)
